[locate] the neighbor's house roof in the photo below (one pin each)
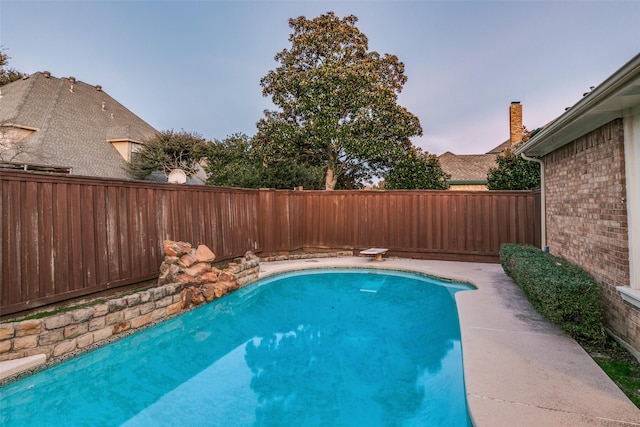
(608, 101)
(467, 169)
(471, 169)
(500, 148)
(67, 123)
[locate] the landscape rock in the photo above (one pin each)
(226, 276)
(58, 321)
(28, 327)
(204, 254)
(198, 269)
(5, 346)
(6, 331)
(211, 276)
(177, 249)
(209, 291)
(187, 260)
(121, 327)
(185, 298)
(197, 297)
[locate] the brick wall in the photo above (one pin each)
(587, 217)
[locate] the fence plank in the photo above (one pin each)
(12, 271)
(113, 234)
(60, 232)
(45, 249)
(100, 233)
(87, 228)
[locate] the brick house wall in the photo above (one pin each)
(587, 218)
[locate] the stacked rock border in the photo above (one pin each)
(188, 278)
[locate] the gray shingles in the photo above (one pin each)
(73, 126)
(467, 167)
(471, 168)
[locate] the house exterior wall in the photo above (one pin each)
(124, 149)
(587, 218)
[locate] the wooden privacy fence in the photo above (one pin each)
(66, 237)
(453, 225)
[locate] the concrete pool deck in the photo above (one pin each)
(519, 369)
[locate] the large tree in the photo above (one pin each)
(237, 162)
(7, 74)
(167, 151)
(417, 170)
(337, 102)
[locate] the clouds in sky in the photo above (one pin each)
(196, 65)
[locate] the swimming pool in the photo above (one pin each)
(318, 347)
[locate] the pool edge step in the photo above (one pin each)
(9, 368)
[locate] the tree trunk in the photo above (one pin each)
(330, 179)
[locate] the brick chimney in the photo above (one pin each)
(515, 122)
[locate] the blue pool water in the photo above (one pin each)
(314, 348)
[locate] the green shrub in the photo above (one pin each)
(562, 292)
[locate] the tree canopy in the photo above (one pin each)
(166, 151)
(7, 74)
(230, 163)
(417, 170)
(237, 162)
(337, 102)
(513, 173)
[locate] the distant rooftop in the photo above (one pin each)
(63, 122)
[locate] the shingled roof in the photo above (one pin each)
(471, 169)
(500, 148)
(67, 123)
(467, 168)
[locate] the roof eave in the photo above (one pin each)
(604, 103)
(15, 125)
(125, 139)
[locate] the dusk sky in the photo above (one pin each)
(196, 65)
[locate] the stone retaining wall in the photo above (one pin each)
(188, 278)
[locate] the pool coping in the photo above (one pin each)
(519, 369)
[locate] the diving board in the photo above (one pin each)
(377, 252)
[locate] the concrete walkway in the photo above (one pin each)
(520, 371)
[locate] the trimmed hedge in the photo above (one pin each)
(562, 292)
